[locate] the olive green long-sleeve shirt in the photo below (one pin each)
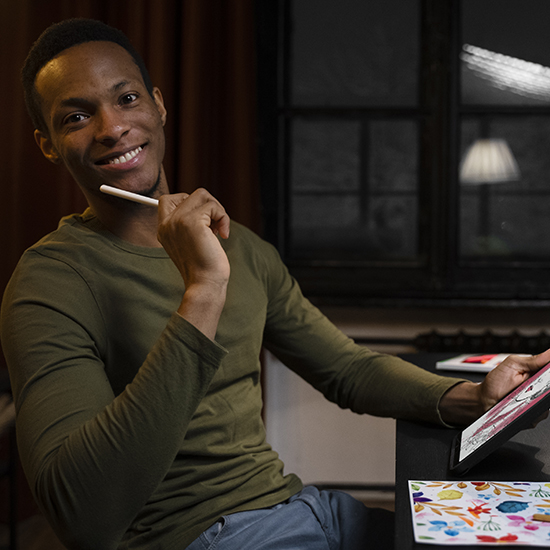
(135, 430)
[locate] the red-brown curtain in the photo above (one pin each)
(200, 53)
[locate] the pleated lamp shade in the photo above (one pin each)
(488, 161)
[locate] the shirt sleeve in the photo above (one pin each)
(78, 441)
(348, 374)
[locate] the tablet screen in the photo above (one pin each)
(515, 404)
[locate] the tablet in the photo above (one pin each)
(516, 411)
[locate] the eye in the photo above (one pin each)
(126, 99)
(74, 118)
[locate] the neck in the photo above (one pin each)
(130, 221)
(134, 223)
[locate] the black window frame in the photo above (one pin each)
(439, 276)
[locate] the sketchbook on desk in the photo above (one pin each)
(472, 362)
(480, 512)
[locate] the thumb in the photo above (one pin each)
(540, 360)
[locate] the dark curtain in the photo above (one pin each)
(200, 53)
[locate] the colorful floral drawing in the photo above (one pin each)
(449, 494)
(452, 528)
(490, 525)
(480, 512)
(477, 509)
(506, 538)
(511, 506)
(498, 488)
(539, 492)
(421, 502)
(419, 497)
(543, 508)
(520, 521)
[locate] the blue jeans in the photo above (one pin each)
(310, 520)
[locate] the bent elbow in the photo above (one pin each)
(80, 522)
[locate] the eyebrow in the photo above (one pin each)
(119, 85)
(75, 101)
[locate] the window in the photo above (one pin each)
(368, 113)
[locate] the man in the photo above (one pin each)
(132, 338)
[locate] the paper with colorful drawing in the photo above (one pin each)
(481, 512)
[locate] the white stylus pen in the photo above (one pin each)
(128, 195)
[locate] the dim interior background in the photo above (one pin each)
(338, 131)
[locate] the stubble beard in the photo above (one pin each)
(153, 189)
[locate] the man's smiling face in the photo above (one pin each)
(102, 122)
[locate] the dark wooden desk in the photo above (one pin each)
(422, 452)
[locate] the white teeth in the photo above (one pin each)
(125, 158)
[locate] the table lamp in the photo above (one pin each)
(486, 162)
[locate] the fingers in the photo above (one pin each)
(168, 203)
(221, 226)
(200, 206)
(187, 229)
(526, 366)
(541, 359)
(172, 200)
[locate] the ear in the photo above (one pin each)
(157, 96)
(46, 146)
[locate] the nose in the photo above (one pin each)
(111, 125)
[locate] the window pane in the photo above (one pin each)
(505, 57)
(354, 52)
(393, 158)
(325, 155)
(509, 219)
(353, 197)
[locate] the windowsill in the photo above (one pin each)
(407, 323)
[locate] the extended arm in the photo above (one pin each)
(375, 383)
(352, 376)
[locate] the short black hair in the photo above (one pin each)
(59, 37)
